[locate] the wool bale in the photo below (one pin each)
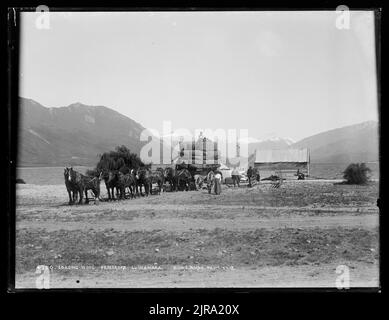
(199, 145)
(200, 154)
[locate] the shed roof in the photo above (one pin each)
(286, 155)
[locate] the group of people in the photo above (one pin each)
(251, 174)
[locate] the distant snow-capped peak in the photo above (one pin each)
(288, 141)
(248, 140)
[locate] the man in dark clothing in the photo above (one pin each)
(249, 175)
(300, 175)
(257, 176)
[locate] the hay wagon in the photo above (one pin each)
(199, 157)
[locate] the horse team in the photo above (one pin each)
(131, 183)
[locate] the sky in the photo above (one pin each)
(287, 74)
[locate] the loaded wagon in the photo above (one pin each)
(199, 157)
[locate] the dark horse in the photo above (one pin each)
(158, 178)
(92, 184)
(126, 181)
(170, 176)
(111, 182)
(77, 182)
(184, 178)
(70, 187)
(143, 178)
(80, 184)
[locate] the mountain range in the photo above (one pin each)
(78, 133)
(354, 143)
(72, 135)
(272, 142)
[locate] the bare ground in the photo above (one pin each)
(293, 236)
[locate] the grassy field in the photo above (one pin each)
(296, 235)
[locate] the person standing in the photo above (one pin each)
(249, 175)
(218, 182)
(235, 177)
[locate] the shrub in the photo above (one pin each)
(356, 173)
(119, 159)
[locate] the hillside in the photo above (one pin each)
(355, 143)
(72, 135)
(270, 143)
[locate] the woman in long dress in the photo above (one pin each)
(218, 182)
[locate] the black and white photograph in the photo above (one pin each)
(198, 149)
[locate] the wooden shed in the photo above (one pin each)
(284, 162)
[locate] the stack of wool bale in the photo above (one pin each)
(201, 152)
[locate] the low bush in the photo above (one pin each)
(356, 173)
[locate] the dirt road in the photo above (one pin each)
(176, 224)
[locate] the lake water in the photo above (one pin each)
(44, 175)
